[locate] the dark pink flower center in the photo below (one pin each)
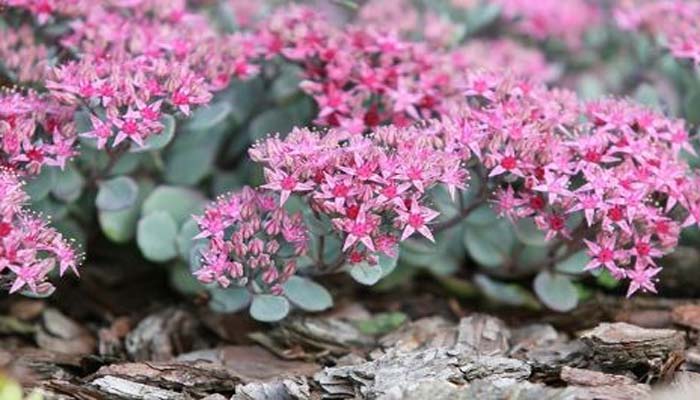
(416, 220)
(130, 127)
(288, 183)
(509, 162)
(606, 255)
(616, 213)
(341, 190)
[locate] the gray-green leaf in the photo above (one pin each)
(307, 294)
(179, 202)
(269, 308)
(556, 291)
(229, 300)
(365, 273)
(69, 185)
(117, 194)
(155, 236)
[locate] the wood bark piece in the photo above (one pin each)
(405, 371)
(376, 378)
(617, 392)
(499, 370)
(587, 377)
(546, 350)
(687, 315)
(162, 336)
(481, 334)
(251, 363)
(436, 390)
(31, 365)
(280, 389)
(111, 340)
(623, 345)
(175, 376)
(534, 336)
(488, 390)
(423, 333)
(61, 334)
(685, 386)
(126, 389)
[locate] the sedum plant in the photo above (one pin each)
(445, 139)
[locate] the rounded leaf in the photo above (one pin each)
(183, 281)
(556, 291)
(188, 166)
(117, 194)
(365, 273)
(575, 263)
(120, 226)
(269, 308)
(492, 245)
(69, 185)
(38, 187)
(482, 216)
(155, 236)
(206, 118)
(506, 293)
(179, 202)
(185, 239)
(527, 232)
(387, 263)
(229, 300)
(307, 294)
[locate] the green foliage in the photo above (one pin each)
(574, 264)
(117, 194)
(178, 202)
(382, 323)
(229, 300)
(365, 273)
(269, 308)
(68, 185)
(156, 234)
(369, 275)
(307, 294)
(490, 246)
(40, 186)
(506, 293)
(556, 291)
(120, 226)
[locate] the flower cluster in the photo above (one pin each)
(139, 58)
(504, 54)
(402, 17)
(29, 248)
(253, 241)
(34, 132)
(567, 21)
(620, 169)
(21, 56)
(361, 78)
(373, 190)
(676, 22)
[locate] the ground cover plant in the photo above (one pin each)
(343, 145)
(269, 157)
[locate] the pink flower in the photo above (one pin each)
(246, 236)
(603, 253)
(415, 220)
(359, 229)
(641, 279)
(29, 248)
(286, 184)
